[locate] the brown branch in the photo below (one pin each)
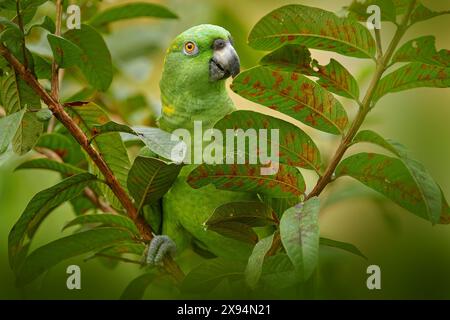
(55, 68)
(60, 114)
(366, 105)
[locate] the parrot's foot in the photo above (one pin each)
(159, 247)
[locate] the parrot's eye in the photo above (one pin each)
(190, 48)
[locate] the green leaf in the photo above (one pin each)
(59, 250)
(287, 182)
(135, 289)
(8, 128)
(256, 260)
(278, 273)
(39, 207)
(294, 95)
(209, 274)
(129, 11)
(391, 177)
(299, 230)
(314, 28)
(28, 133)
(45, 23)
(150, 178)
(110, 145)
(17, 95)
(358, 10)
(422, 13)
(42, 68)
(429, 191)
(69, 151)
(342, 245)
(65, 52)
(162, 143)
(250, 213)
(423, 49)
(235, 230)
(332, 77)
(44, 115)
(43, 163)
(96, 60)
(106, 220)
(121, 248)
(413, 75)
(295, 147)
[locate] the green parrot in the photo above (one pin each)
(197, 63)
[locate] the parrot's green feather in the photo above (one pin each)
(189, 95)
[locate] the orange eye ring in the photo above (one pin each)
(190, 48)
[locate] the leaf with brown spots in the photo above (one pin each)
(429, 189)
(393, 178)
(302, 99)
(423, 50)
(358, 10)
(295, 147)
(287, 182)
(150, 178)
(422, 13)
(413, 75)
(332, 77)
(314, 28)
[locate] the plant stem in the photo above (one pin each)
(55, 68)
(20, 23)
(382, 64)
(60, 114)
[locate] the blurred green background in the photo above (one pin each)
(413, 255)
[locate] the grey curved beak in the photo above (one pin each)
(225, 61)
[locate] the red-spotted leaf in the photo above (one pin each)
(314, 28)
(150, 178)
(430, 191)
(392, 178)
(333, 77)
(295, 147)
(292, 94)
(422, 13)
(411, 76)
(96, 62)
(287, 182)
(423, 50)
(299, 230)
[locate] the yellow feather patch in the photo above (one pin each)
(168, 110)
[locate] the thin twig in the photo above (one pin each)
(382, 63)
(379, 43)
(55, 68)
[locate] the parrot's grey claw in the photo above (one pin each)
(159, 247)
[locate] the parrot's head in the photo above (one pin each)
(193, 81)
(203, 52)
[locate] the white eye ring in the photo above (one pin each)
(190, 48)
